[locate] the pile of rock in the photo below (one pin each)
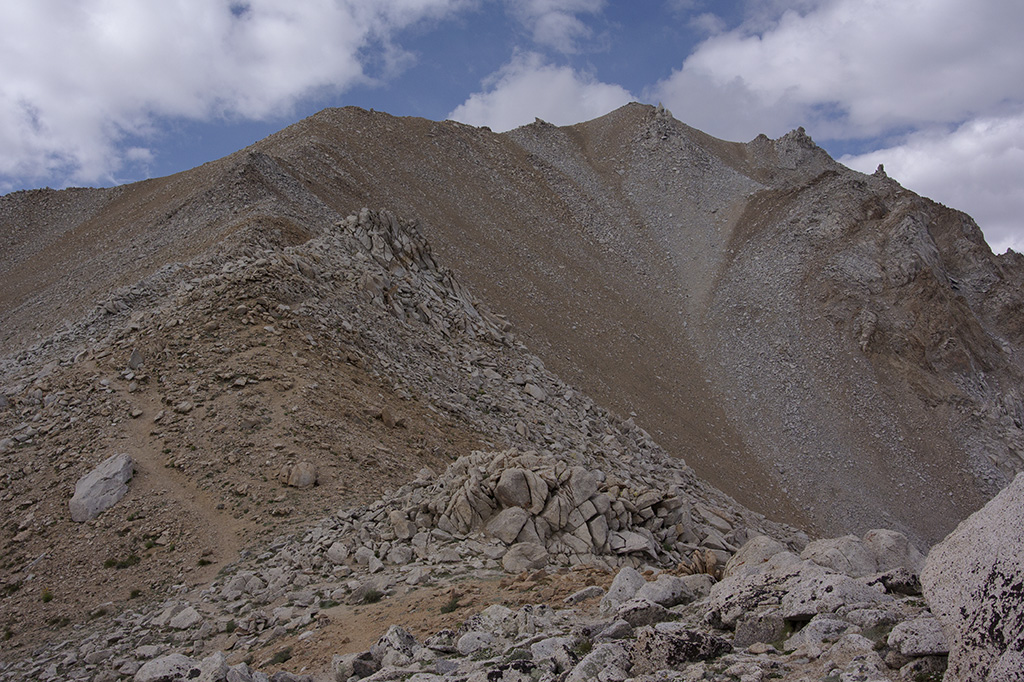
(531, 510)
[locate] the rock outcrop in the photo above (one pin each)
(974, 582)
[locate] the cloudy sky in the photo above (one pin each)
(100, 92)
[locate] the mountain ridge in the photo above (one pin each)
(639, 232)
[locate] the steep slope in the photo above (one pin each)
(824, 346)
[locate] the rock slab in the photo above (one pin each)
(974, 582)
(101, 488)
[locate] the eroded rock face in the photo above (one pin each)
(101, 488)
(974, 582)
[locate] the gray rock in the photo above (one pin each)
(639, 612)
(764, 627)
(397, 647)
(473, 641)
(586, 593)
(536, 392)
(627, 542)
(753, 556)
(893, 550)
(299, 475)
(521, 488)
(583, 483)
(403, 527)
(337, 553)
(170, 668)
(101, 488)
(973, 583)
(555, 649)
(623, 588)
(186, 618)
(618, 629)
(400, 555)
(802, 588)
(213, 668)
(667, 590)
(506, 524)
(608, 662)
(827, 593)
(919, 637)
(847, 555)
(816, 633)
(898, 581)
(924, 668)
(525, 556)
(359, 664)
(670, 646)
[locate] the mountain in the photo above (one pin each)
(375, 371)
(829, 348)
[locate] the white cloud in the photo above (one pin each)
(81, 77)
(977, 168)
(528, 88)
(554, 23)
(853, 68)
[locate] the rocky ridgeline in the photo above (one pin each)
(704, 588)
(411, 282)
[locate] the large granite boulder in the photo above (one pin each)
(974, 582)
(101, 488)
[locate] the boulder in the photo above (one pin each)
(474, 641)
(101, 488)
(525, 556)
(974, 583)
(753, 555)
(919, 637)
(507, 523)
(667, 590)
(670, 646)
(337, 553)
(893, 550)
(608, 661)
(299, 475)
(170, 668)
(396, 647)
(764, 627)
(847, 555)
(521, 488)
(827, 593)
(623, 588)
(639, 612)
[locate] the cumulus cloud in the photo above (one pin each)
(82, 77)
(976, 168)
(528, 88)
(554, 23)
(853, 68)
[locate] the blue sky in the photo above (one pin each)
(100, 92)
